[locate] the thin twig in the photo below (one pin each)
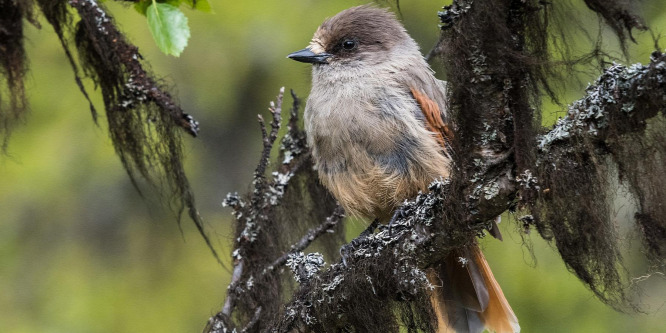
(253, 321)
(263, 161)
(293, 114)
(435, 51)
(269, 139)
(276, 111)
(259, 210)
(310, 237)
(229, 302)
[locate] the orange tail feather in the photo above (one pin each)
(498, 316)
(467, 298)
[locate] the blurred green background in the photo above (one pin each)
(81, 251)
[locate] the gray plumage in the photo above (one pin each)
(375, 121)
(361, 117)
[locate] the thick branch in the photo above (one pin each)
(620, 94)
(620, 102)
(496, 53)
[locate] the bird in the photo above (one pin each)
(377, 125)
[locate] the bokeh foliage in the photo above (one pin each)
(80, 251)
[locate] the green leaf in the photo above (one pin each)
(200, 5)
(169, 28)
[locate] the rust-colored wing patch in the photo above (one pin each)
(433, 116)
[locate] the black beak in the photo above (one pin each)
(305, 55)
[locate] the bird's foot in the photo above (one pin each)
(399, 214)
(347, 249)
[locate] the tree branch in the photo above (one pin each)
(311, 236)
(621, 101)
(265, 226)
(414, 235)
(497, 57)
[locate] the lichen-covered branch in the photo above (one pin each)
(497, 56)
(417, 239)
(561, 178)
(251, 214)
(384, 272)
(615, 134)
(327, 226)
(145, 121)
(269, 229)
(621, 101)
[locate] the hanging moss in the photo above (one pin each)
(617, 129)
(145, 122)
(13, 65)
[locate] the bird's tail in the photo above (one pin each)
(467, 298)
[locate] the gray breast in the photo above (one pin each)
(363, 134)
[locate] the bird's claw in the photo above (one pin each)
(347, 249)
(399, 214)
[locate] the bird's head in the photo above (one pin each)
(363, 35)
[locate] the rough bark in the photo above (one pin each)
(498, 64)
(559, 179)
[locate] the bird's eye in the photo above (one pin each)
(349, 44)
